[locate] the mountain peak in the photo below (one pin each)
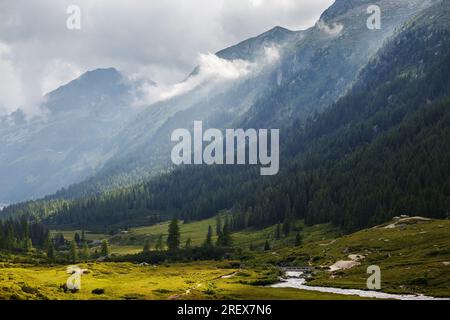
(340, 7)
(91, 85)
(101, 74)
(249, 48)
(276, 31)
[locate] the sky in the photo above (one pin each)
(158, 40)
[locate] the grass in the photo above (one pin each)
(70, 234)
(196, 231)
(414, 258)
(124, 281)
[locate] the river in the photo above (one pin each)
(297, 279)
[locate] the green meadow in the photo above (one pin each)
(414, 257)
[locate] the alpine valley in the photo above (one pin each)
(364, 172)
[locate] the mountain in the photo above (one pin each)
(61, 146)
(378, 152)
(290, 75)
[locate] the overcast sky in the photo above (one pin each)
(158, 39)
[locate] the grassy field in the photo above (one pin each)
(129, 281)
(70, 234)
(413, 254)
(414, 257)
(196, 231)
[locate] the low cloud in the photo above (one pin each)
(210, 71)
(334, 29)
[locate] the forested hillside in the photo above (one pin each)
(380, 151)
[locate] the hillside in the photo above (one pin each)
(63, 144)
(394, 122)
(284, 76)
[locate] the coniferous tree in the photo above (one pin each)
(105, 250)
(83, 236)
(218, 226)
(173, 239)
(226, 240)
(208, 241)
(85, 251)
(77, 239)
(28, 244)
(73, 252)
(51, 252)
(159, 243)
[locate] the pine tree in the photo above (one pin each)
(77, 238)
(105, 251)
(85, 251)
(50, 251)
(159, 243)
(28, 244)
(267, 246)
(73, 252)
(218, 226)
(83, 236)
(226, 240)
(173, 239)
(208, 240)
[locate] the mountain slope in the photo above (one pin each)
(61, 146)
(310, 71)
(377, 153)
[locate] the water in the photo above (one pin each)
(297, 280)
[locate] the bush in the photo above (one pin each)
(98, 291)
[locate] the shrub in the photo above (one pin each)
(98, 291)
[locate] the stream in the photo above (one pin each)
(297, 280)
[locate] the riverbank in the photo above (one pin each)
(297, 279)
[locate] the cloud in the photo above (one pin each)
(10, 94)
(333, 30)
(158, 40)
(211, 70)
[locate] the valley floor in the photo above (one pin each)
(207, 280)
(412, 253)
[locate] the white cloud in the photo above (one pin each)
(272, 54)
(334, 29)
(10, 88)
(211, 70)
(156, 40)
